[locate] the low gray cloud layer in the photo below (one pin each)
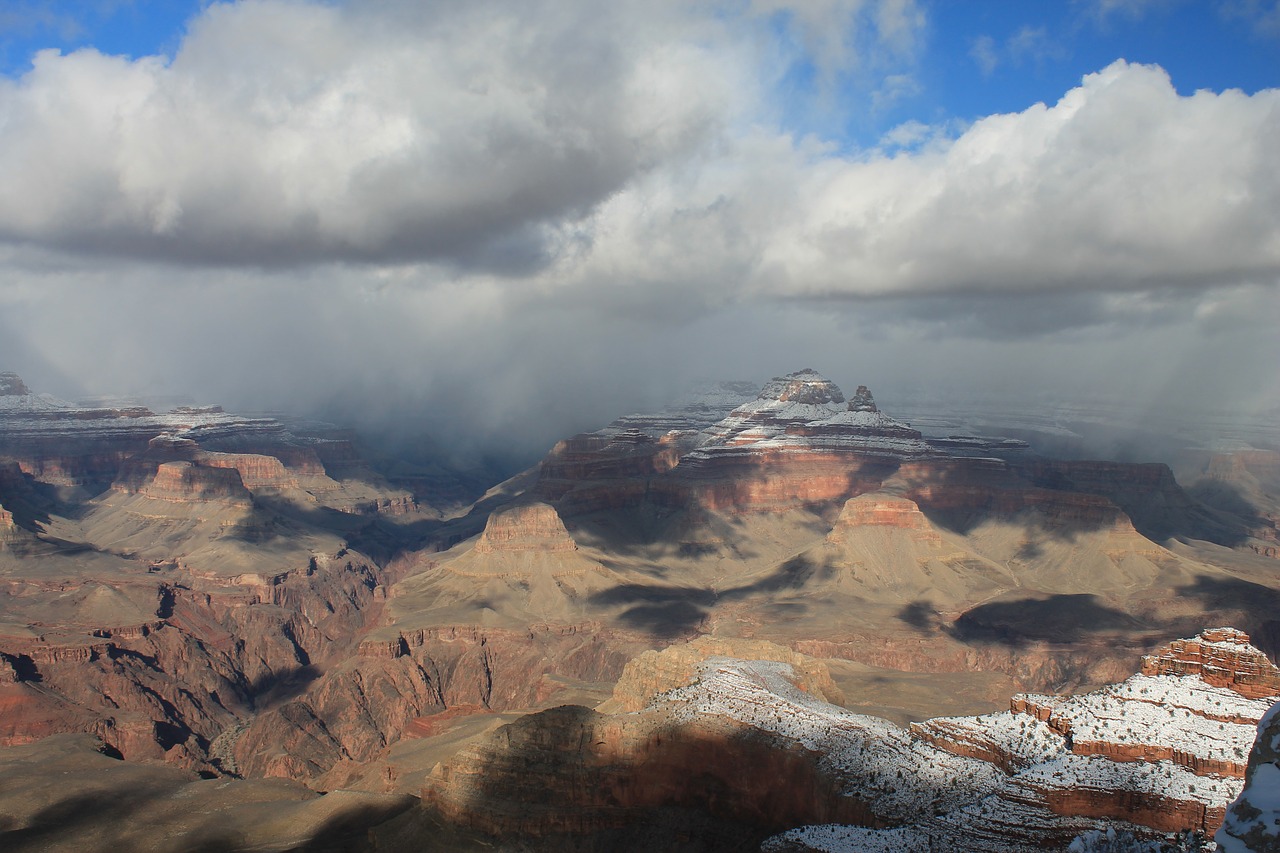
(497, 211)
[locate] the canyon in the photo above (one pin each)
(619, 632)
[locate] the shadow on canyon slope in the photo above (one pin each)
(279, 686)
(1228, 498)
(661, 611)
(1052, 619)
(669, 612)
(569, 779)
(349, 830)
(1061, 500)
(104, 820)
(154, 817)
(1251, 607)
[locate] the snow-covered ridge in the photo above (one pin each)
(806, 411)
(877, 761)
(1154, 754)
(24, 415)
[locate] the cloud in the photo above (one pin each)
(284, 133)
(1103, 11)
(1263, 16)
(1123, 185)
(527, 217)
(983, 52)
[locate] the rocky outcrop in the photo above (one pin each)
(1019, 781)
(882, 510)
(739, 741)
(350, 714)
(1252, 822)
(800, 444)
(655, 672)
(11, 385)
(256, 470)
(1158, 753)
(1222, 657)
(186, 482)
(197, 661)
(525, 527)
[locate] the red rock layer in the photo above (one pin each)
(966, 741)
(988, 486)
(770, 481)
(186, 482)
(525, 527)
(350, 714)
(1223, 658)
(1163, 814)
(1149, 752)
(168, 687)
(256, 471)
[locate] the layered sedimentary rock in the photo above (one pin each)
(801, 444)
(352, 713)
(65, 445)
(158, 664)
(1158, 753)
(185, 482)
(527, 527)
(716, 734)
(882, 510)
(741, 741)
(1222, 657)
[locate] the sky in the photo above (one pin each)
(505, 221)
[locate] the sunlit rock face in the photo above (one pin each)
(529, 527)
(1153, 755)
(1158, 753)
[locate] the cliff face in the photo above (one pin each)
(160, 663)
(1252, 823)
(529, 527)
(1160, 752)
(1157, 753)
(1221, 657)
(184, 482)
(800, 445)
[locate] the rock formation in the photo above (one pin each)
(1159, 753)
(528, 527)
(1156, 754)
(1252, 823)
(1221, 657)
(11, 385)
